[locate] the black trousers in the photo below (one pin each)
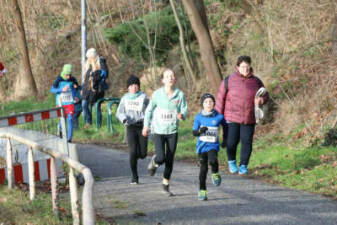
(243, 133)
(165, 147)
(137, 145)
(210, 157)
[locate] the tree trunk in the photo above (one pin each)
(334, 36)
(27, 77)
(199, 23)
(182, 44)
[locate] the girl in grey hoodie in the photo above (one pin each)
(131, 112)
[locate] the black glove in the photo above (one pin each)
(203, 130)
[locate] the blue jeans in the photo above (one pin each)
(69, 125)
(75, 118)
(87, 112)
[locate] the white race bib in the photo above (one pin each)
(66, 97)
(166, 116)
(211, 135)
(134, 104)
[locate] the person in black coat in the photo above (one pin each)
(94, 86)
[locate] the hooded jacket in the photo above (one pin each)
(162, 111)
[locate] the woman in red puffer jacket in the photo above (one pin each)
(236, 100)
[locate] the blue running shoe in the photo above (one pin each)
(216, 179)
(202, 195)
(243, 170)
(232, 166)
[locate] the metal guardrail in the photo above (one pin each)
(88, 216)
(109, 112)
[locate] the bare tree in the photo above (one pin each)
(139, 9)
(334, 36)
(27, 77)
(187, 61)
(196, 12)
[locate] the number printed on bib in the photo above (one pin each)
(167, 116)
(211, 135)
(66, 97)
(134, 105)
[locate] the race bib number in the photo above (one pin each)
(167, 116)
(211, 135)
(66, 97)
(134, 105)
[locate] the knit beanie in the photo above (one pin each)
(91, 53)
(67, 69)
(132, 80)
(206, 95)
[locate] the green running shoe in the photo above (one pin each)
(216, 179)
(202, 195)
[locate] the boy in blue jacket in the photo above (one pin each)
(63, 87)
(206, 128)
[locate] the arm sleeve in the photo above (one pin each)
(221, 98)
(55, 87)
(148, 113)
(196, 127)
(146, 103)
(183, 107)
(120, 113)
(104, 68)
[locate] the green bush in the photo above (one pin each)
(131, 37)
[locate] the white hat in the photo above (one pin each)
(91, 53)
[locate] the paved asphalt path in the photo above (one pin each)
(238, 201)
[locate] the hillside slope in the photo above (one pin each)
(291, 43)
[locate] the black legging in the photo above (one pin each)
(211, 157)
(137, 145)
(165, 155)
(244, 133)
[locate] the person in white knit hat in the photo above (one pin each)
(96, 73)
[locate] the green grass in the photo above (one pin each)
(16, 208)
(311, 169)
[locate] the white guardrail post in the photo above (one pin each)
(9, 160)
(31, 172)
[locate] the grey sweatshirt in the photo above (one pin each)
(131, 108)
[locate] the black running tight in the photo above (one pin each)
(137, 145)
(211, 157)
(165, 147)
(244, 133)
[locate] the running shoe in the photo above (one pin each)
(134, 180)
(216, 179)
(232, 166)
(202, 195)
(152, 167)
(243, 170)
(166, 189)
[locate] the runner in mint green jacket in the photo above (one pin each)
(167, 107)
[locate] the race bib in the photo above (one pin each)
(211, 135)
(166, 116)
(134, 105)
(66, 97)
